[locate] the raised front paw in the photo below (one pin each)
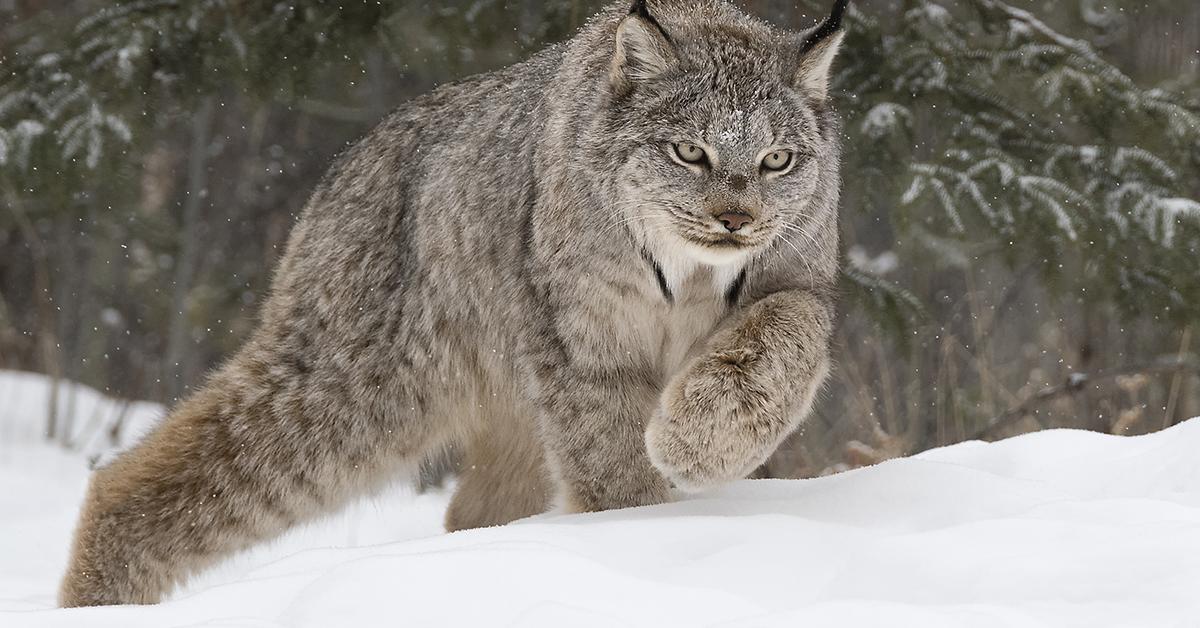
(717, 420)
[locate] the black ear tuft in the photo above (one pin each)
(642, 51)
(831, 25)
(818, 48)
(640, 10)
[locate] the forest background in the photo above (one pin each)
(1020, 217)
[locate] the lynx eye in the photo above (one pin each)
(689, 153)
(777, 160)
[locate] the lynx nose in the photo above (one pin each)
(734, 221)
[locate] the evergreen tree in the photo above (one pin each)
(977, 136)
(978, 124)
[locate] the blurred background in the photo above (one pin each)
(1021, 221)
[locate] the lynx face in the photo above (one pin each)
(722, 135)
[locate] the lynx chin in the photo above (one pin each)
(600, 273)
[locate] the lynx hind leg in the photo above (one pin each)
(236, 464)
(502, 477)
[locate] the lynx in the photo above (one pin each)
(601, 273)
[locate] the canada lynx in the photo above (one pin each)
(601, 272)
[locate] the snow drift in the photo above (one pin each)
(1058, 528)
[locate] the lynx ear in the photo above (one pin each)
(818, 49)
(643, 49)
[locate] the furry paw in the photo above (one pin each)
(627, 492)
(717, 420)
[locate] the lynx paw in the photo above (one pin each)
(716, 422)
(621, 493)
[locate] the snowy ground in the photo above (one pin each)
(1059, 528)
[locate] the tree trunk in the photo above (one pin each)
(47, 337)
(177, 367)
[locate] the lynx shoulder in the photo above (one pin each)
(600, 273)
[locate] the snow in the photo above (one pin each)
(1057, 528)
(87, 416)
(884, 119)
(1172, 209)
(879, 265)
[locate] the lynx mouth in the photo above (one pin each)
(722, 242)
(717, 250)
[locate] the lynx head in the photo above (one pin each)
(726, 134)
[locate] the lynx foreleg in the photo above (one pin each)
(593, 425)
(729, 409)
(503, 475)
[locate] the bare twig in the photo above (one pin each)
(334, 111)
(1078, 382)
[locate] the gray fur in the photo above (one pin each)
(500, 265)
